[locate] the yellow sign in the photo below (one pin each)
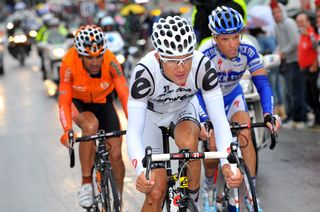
(183, 182)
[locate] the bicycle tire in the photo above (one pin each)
(249, 189)
(116, 197)
(104, 200)
(191, 206)
(254, 142)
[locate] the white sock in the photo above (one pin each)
(209, 181)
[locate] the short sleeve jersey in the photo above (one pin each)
(230, 71)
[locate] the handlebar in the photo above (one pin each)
(149, 158)
(101, 135)
(235, 127)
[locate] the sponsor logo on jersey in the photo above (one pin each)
(116, 67)
(134, 163)
(236, 103)
(231, 76)
(67, 76)
(248, 50)
(79, 88)
(104, 85)
(210, 79)
(174, 99)
(219, 63)
(141, 86)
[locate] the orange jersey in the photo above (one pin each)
(75, 82)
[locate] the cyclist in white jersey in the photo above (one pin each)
(231, 57)
(162, 91)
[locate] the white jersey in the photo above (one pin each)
(231, 71)
(151, 86)
(151, 90)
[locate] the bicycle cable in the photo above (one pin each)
(245, 138)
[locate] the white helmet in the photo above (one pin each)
(173, 36)
(20, 6)
(107, 20)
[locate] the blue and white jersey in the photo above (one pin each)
(231, 70)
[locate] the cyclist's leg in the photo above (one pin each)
(152, 137)
(237, 111)
(116, 160)
(88, 123)
(208, 188)
(246, 144)
(186, 134)
(154, 199)
(109, 121)
(211, 165)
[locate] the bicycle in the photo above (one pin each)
(177, 197)
(246, 192)
(103, 180)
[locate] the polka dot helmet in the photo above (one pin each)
(173, 36)
(90, 41)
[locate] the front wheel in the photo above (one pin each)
(191, 206)
(173, 207)
(247, 191)
(107, 196)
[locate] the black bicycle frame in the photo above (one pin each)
(166, 133)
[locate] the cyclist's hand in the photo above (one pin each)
(65, 138)
(206, 131)
(233, 181)
(273, 122)
(204, 134)
(143, 185)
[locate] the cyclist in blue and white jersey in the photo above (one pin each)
(232, 56)
(162, 91)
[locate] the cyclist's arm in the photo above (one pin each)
(120, 84)
(202, 110)
(213, 100)
(141, 87)
(65, 97)
(137, 112)
(215, 108)
(260, 80)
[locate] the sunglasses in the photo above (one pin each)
(176, 62)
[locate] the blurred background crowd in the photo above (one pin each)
(288, 28)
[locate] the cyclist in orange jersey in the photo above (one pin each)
(88, 75)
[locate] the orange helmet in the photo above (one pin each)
(90, 41)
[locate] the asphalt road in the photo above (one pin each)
(35, 174)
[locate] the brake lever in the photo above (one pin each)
(71, 150)
(273, 140)
(273, 134)
(148, 153)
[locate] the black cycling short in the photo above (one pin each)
(104, 112)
